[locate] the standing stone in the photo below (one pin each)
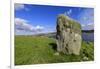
(68, 35)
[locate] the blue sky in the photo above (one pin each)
(34, 19)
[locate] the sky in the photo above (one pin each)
(33, 19)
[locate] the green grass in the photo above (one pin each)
(40, 50)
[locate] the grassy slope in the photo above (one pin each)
(37, 50)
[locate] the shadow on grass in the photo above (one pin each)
(54, 46)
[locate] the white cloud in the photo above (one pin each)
(83, 25)
(19, 6)
(69, 11)
(89, 26)
(23, 25)
(86, 18)
(39, 28)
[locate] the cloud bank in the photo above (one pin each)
(23, 25)
(88, 26)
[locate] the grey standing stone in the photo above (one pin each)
(68, 35)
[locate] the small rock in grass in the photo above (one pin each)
(56, 53)
(85, 58)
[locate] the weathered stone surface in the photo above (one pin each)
(68, 35)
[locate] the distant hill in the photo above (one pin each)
(88, 31)
(53, 34)
(85, 35)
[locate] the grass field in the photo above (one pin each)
(41, 50)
